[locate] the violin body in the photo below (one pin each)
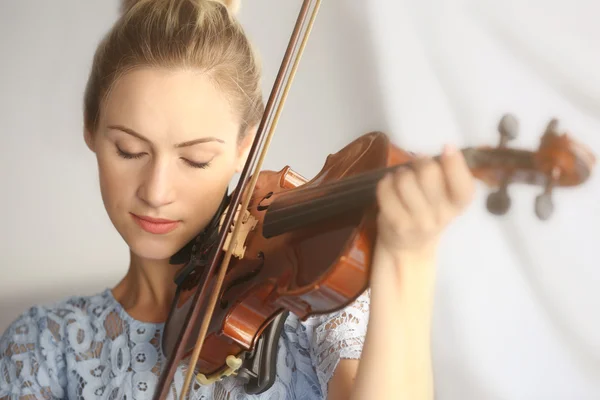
(317, 269)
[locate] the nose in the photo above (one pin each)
(157, 188)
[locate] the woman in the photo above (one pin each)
(171, 107)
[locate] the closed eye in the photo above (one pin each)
(127, 155)
(195, 164)
(130, 156)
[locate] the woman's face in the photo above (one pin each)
(167, 147)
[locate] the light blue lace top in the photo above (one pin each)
(90, 348)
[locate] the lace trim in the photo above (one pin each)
(339, 336)
(88, 348)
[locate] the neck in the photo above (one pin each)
(148, 289)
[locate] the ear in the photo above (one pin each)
(89, 139)
(244, 148)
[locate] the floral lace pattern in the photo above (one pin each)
(90, 348)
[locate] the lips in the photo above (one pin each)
(157, 226)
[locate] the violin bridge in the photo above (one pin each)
(233, 364)
(248, 224)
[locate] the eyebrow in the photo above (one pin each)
(184, 144)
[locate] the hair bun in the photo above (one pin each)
(232, 5)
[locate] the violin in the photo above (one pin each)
(283, 243)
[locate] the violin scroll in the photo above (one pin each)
(558, 162)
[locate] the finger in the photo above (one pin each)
(410, 193)
(391, 209)
(459, 180)
(432, 182)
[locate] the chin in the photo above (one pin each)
(151, 250)
(155, 247)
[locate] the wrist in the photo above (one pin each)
(417, 263)
(420, 255)
(406, 276)
(400, 318)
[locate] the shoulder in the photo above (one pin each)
(53, 323)
(32, 348)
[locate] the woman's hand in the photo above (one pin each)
(417, 203)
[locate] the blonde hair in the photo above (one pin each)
(198, 34)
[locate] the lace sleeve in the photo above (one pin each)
(337, 336)
(31, 358)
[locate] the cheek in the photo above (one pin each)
(204, 195)
(114, 182)
(209, 188)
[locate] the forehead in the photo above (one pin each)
(178, 104)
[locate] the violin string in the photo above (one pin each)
(305, 217)
(345, 184)
(304, 206)
(343, 189)
(299, 215)
(309, 205)
(313, 204)
(339, 185)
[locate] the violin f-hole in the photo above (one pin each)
(261, 206)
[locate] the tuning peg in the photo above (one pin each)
(498, 203)
(552, 128)
(544, 206)
(508, 128)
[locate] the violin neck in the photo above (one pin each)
(307, 205)
(312, 204)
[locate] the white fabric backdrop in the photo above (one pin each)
(517, 310)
